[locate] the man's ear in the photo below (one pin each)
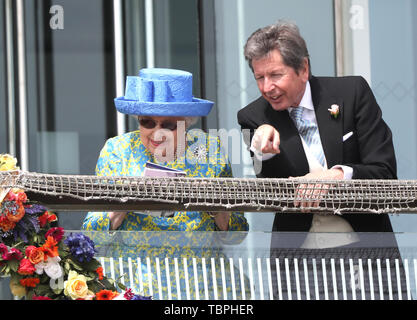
(305, 70)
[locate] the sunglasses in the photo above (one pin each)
(150, 124)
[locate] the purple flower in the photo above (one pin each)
(139, 297)
(81, 247)
(35, 208)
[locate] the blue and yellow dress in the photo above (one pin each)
(150, 247)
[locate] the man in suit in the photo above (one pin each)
(346, 136)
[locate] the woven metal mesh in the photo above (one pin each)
(213, 194)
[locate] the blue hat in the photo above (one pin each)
(162, 92)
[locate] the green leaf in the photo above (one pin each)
(121, 286)
(91, 265)
(13, 265)
(75, 265)
(4, 269)
(58, 291)
(42, 289)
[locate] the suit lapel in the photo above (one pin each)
(291, 145)
(331, 129)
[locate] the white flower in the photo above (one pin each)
(53, 269)
(334, 110)
(40, 267)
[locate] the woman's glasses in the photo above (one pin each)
(150, 124)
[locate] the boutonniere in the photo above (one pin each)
(334, 111)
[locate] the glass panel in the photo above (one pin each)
(227, 266)
(70, 87)
(175, 39)
(385, 54)
(393, 76)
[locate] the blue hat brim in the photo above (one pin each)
(196, 108)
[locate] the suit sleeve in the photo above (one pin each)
(376, 150)
(248, 128)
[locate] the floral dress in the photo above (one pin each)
(155, 255)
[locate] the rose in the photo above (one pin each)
(36, 255)
(26, 267)
(6, 224)
(7, 162)
(76, 286)
(17, 215)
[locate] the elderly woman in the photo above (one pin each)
(162, 101)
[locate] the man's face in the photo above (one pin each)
(278, 83)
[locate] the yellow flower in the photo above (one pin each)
(76, 286)
(7, 162)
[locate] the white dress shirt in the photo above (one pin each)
(329, 224)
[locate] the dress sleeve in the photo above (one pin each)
(107, 165)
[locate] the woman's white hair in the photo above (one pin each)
(189, 121)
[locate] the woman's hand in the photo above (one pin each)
(116, 219)
(221, 219)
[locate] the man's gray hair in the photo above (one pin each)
(283, 36)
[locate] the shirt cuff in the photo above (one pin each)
(347, 171)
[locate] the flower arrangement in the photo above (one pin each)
(42, 263)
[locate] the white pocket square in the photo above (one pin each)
(347, 136)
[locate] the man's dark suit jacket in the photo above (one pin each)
(369, 151)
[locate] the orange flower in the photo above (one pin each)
(36, 255)
(29, 282)
(106, 295)
(20, 212)
(6, 224)
(99, 271)
(50, 248)
(47, 217)
(22, 197)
